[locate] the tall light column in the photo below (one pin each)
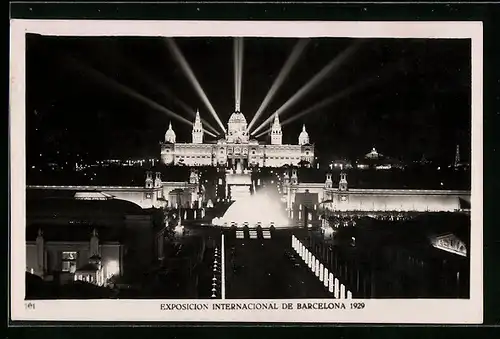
(223, 269)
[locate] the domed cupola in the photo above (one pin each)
(170, 134)
(303, 136)
(373, 154)
(237, 127)
(237, 118)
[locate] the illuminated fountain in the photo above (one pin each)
(258, 209)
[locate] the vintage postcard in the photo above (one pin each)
(237, 171)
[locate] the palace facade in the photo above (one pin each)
(236, 147)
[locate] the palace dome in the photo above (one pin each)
(237, 128)
(373, 154)
(237, 118)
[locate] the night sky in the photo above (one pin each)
(419, 103)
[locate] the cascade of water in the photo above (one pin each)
(253, 210)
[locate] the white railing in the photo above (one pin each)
(338, 290)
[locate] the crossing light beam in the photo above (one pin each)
(104, 79)
(389, 70)
(181, 60)
(168, 93)
(238, 71)
(283, 74)
(315, 80)
(155, 84)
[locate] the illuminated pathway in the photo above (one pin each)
(259, 268)
(257, 265)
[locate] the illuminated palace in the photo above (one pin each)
(236, 147)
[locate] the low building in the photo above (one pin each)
(340, 198)
(88, 240)
(85, 253)
(374, 200)
(155, 193)
(305, 209)
(61, 209)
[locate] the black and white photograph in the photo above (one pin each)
(231, 173)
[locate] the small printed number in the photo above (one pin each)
(358, 306)
(29, 306)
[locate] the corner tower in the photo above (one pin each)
(276, 133)
(328, 181)
(343, 182)
(149, 183)
(197, 129)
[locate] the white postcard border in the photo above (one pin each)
(450, 311)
